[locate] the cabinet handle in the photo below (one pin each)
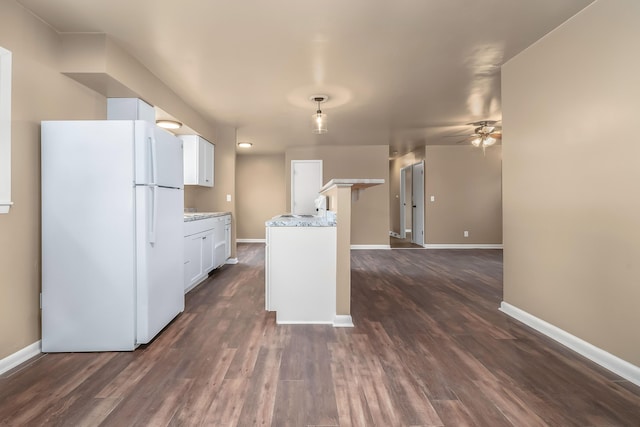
(204, 238)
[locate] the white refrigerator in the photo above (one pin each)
(112, 234)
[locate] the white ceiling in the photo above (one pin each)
(398, 72)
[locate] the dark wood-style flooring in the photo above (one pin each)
(429, 348)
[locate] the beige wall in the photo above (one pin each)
(370, 214)
(571, 199)
(467, 187)
(261, 180)
(40, 92)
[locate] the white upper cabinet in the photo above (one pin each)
(198, 160)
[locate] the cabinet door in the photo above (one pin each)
(205, 163)
(198, 160)
(208, 253)
(193, 253)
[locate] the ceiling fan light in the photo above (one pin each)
(488, 129)
(476, 142)
(488, 141)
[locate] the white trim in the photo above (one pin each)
(408, 230)
(463, 246)
(5, 131)
(360, 247)
(603, 358)
(20, 356)
(231, 261)
(251, 240)
(343, 321)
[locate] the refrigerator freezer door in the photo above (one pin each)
(88, 252)
(160, 264)
(158, 157)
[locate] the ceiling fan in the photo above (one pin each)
(485, 134)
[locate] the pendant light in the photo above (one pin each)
(319, 119)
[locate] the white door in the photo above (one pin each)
(306, 182)
(417, 229)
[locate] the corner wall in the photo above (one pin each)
(570, 188)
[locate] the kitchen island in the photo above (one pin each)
(300, 268)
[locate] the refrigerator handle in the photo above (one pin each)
(153, 212)
(154, 161)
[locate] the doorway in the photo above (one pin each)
(412, 203)
(306, 182)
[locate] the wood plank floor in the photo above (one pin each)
(429, 348)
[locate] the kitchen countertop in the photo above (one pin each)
(291, 220)
(356, 183)
(194, 216)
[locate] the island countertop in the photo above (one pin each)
(293, 220)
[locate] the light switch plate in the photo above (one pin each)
(228, 197)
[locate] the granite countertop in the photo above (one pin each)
(194, 216)
(291, 220)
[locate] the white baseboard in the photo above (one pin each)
(251, 240)
(361, 247)
(300, 322)
(605, 359)
(343, 321)
(463, 246)
(20, 356)
(231, 261)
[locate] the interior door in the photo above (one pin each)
(306, 181)
(417, 181)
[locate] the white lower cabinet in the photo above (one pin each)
(207, 246)
(199, 251)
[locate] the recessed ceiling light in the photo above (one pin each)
(169, 124)
(245, 144)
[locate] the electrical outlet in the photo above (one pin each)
(228, 197)
(466, 233)
(433, 198)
